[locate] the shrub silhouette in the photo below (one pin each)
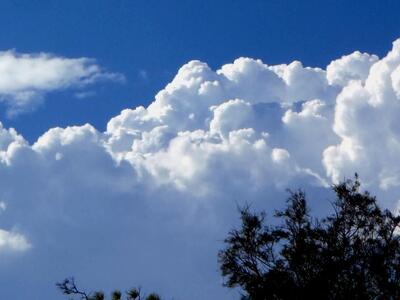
(69, 287)
(353, 253)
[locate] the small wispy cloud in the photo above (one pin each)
(143, 74)
(25, 79)
(85, 94)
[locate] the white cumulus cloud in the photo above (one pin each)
(169, 176)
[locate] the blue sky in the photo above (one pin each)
(145, 196)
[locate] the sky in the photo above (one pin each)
(132, 130)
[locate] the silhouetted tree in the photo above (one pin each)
(69, 287)
(116, 295)
(153, 297)
(353, 253)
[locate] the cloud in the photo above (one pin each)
(355, 66)
(25, 79)
(366, 120)
(168, 177)
(3, 206)
(85, 94)
(12, 241)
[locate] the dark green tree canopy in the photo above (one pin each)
(353, 253)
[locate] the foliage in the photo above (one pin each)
(69, 287)
(353, 253)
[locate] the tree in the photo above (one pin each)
(353, 253)
(69, 287)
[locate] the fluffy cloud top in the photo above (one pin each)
(171, 174)
(26, 78)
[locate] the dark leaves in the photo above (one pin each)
(68, 287)
(354, 253)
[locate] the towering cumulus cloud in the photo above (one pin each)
(167, 178)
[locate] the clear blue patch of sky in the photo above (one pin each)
(159, 36)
